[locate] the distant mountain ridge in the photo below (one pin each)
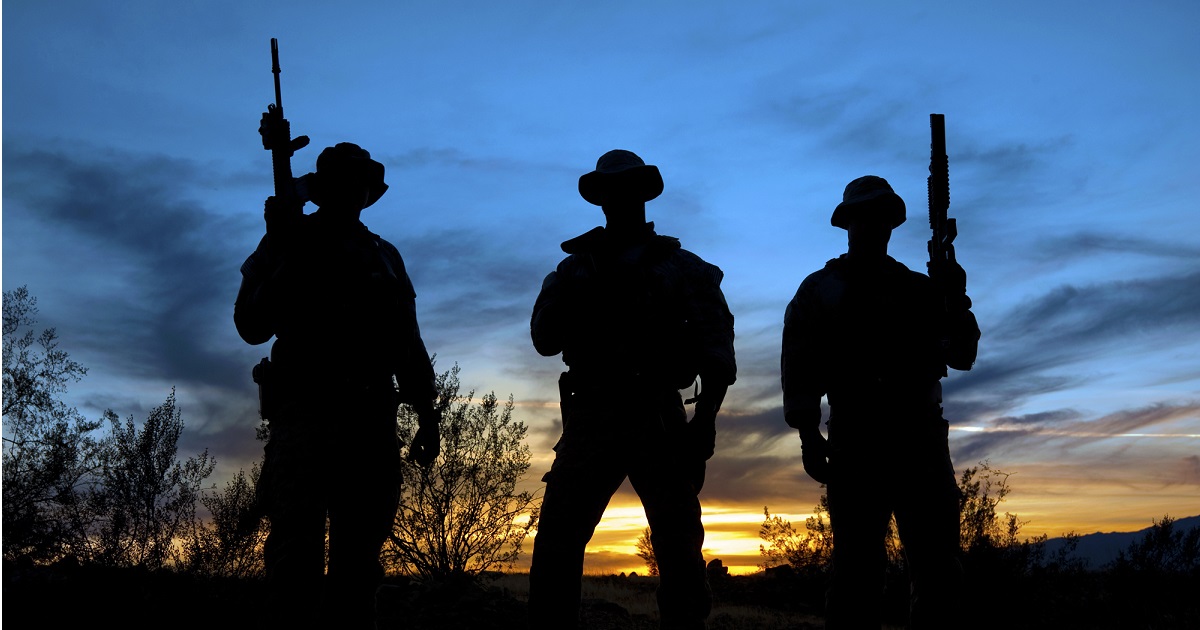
(1101, 548)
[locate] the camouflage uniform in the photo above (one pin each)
(342, 308)
(871, 338)
(635, 322)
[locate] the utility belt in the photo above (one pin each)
(887, 392)
(589, 381)
(617, 404)
(279, 387)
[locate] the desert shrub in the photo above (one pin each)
(463, 514)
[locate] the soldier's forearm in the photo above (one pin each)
(964, 341)
(803, 415)
(546, 335)
(711, 397)
(250, 315)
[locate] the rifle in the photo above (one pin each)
(276, 137)
(941, 245)
(944, 270)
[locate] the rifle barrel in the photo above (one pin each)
(275, 71)
(939, 173)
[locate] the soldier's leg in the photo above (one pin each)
(291, 495)
(574, 502)
(660, 474)
(858, 515)
(677, 535)
(589, 465)
(362, 513)
(928, 521)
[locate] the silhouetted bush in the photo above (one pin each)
(72, 492)
(230, 543)
(645, 551)
(148, 497)
(463, 514)
(52, 455)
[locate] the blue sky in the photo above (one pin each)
(133, 179)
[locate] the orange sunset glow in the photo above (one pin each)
(1082, 495)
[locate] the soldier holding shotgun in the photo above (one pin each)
(876, 338)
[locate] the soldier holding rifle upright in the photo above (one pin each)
(347, 351)
(876, 338)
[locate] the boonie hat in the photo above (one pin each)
(869, 194)
(620, 175)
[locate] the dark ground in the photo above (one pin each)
(68, 597)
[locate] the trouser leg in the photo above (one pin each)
(362, 514)
(928, 523)
(858, 515)
(572, 506)
(356, 536)
(677, 535)
(294, 555)
(663, 473)
(291, 495)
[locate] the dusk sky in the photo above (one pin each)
(133, 181)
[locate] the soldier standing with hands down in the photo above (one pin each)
(348, 350)
(636, 319)
(876, 338)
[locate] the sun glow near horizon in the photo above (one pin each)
(731, 535)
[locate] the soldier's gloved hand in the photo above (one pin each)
(274, 129)
(427, 444)
(815, 449)
(949, 276)
(276, 132)
(281, 213)
(702, 430)
(702, 433)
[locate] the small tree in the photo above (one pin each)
(230, 544)
(1164, 549)
(463, 514)
(149, 497)
(808, 552)
(645, 551)
(983, 489)
(51, 454)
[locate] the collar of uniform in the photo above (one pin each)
(328, 220)
(599, 239)
(885, 265)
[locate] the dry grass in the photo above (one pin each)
(636, 595)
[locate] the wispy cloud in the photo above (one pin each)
(1089, 243)
(168, 262)
(1051, 432)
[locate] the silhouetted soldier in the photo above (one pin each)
(636, 319)
(348, 350)
(876, 339)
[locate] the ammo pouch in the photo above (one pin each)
(267, 378)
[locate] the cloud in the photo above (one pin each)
(1040, 346)
(851, 118)
(143, 276)
(167, 263)
(1005, 161)
(757, 459)
(1043, 418)
(1189, 470)
(1092, 315)
(1089, 243)
(1051, 434)
(470, 280)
